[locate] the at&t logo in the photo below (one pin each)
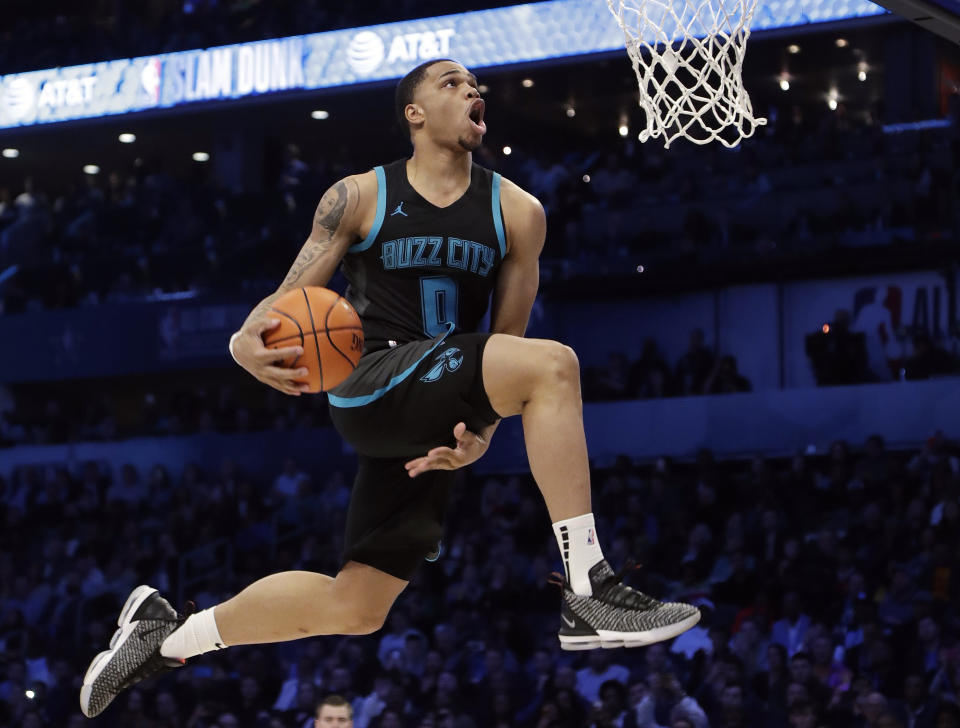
(18, 99)
(367, 51)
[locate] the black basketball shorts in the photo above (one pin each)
(399, 404)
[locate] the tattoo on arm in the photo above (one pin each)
(327, 218)
(261, 308)
(326, 222)
(331, 207)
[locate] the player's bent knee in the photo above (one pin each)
(359, 622)
(362, 597)
(562, 364)
(515, 369)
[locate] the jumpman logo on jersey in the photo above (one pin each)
(399, 211)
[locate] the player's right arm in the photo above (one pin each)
(345, 210)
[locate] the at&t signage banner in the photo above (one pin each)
(485, 38)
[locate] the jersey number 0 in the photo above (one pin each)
(438, 295)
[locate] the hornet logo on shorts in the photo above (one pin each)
(448, 361)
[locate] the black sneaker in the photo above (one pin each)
(134, 655)
(618, 615)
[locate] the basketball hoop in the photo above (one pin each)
(688, 58)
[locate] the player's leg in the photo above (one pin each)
(540, 381)
(295, 604)
(152, 638)
(391, 524)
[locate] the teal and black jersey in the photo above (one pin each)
(421, 282)
(425, 270)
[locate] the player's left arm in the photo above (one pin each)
(525, 225)
(518, 280)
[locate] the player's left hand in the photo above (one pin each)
(470, 447)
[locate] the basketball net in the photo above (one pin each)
(688, 57)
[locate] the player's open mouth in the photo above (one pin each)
(476, 115)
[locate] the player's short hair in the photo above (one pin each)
(335, 701)
(408, 86)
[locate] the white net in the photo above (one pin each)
(688, 57)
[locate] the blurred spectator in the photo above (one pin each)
(611, 711)
(287, 483)
(697, 638)
(650, 375)
(872, 707)
(809, 566)
(929, 360)
(128, 489)
(665, 702)
(395, 639)
(791, 630)
(600, 669)
(725, 379)
(897, 605)
(694, 367)
(917, 708)
(613, 382)
(837, 354)
(334, 711)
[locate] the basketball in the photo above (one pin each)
(328, 329)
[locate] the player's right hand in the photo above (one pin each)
(266, 364)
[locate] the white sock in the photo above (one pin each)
(195, 636)
(580, 549)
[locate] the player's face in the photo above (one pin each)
(451, 107)
(338, 716)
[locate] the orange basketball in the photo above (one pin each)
(328, 329)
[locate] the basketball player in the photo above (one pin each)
(424, 243)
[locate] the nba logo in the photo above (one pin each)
(150, 78)
(590, 538)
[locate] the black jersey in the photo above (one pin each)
(425, 270)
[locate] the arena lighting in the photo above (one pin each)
(338, 58)
(624, 130)
(91, 169)
(825, 328)
(11, 153)
(793, 49)
(320, 114)
(586, 178)
(841, 42)
(127, 138)
(640, 269)
(784, 84)
(483, 88)
(862, 71)
(507, 151)
(201, 157)
(30, 694)
(571, 112)
(527, 83)
(832, 104)
(862, 75)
